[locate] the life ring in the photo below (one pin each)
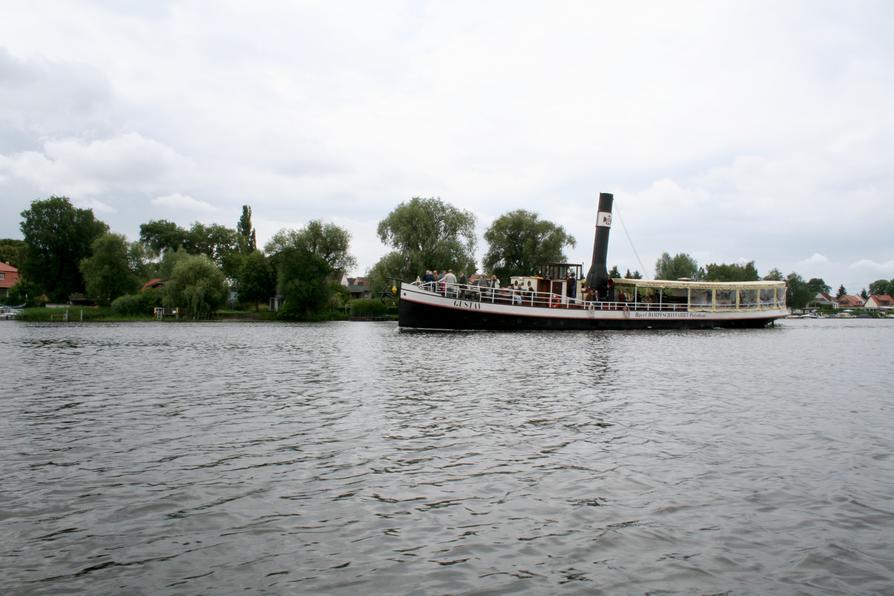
(555, 301)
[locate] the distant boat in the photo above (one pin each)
(9, 312)
(559, 299)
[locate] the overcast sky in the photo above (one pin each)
(732, 131)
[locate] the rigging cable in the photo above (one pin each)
(630, 240)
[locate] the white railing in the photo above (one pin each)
(522, 297)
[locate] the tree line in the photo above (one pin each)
(67, 253)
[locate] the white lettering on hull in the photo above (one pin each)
(667, 315)
(467, 304)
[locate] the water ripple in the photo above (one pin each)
(214, 458)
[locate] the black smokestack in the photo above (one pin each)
(597, 278)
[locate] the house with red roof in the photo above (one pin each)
(9, 276)
(850, 301)
(824, 300)
(153, 283)
(879, 302)
(358, 287)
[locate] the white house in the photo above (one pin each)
(880, 302)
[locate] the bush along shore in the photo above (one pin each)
(356, 310)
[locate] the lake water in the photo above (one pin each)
(355, 458)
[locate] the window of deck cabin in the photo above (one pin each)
(780, 296)
(624, 293)
(675, 295)
(700, 297)
(726, 299)
(747, 298)
(767, 296)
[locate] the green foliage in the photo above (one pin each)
(634, 275)
(57, 238)
(520, 243)
(169, 262)
(817, 285)
(256, 280)
(797, 293)
(161, 235)
(338, 296)
(615, 273)
(107, 273)
(12, 252)
(368, 308)
(426, 233)
(303, 281)
(882, 286)
(71, 314)
(774, 275)
(219, 243)
(328, 241)
(731, 272)
(841, 291)
(676, 267)
(196, 286)
(138, 261)
(215, 241)
(245, 233)
(131, 305)
(25, 292)
(382, 273)
(142, 303)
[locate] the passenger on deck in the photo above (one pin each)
(449, 283)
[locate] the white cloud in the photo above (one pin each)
(734, 131)
(181, 202)
(96, 205)
(814, 259)
(86, 168)
(870, 265)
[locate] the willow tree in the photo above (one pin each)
(197, 286)
(426, 233)
(519, 242)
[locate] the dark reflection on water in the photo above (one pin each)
(214, 458)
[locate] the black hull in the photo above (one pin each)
(425, 316)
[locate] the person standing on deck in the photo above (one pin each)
(449, 283)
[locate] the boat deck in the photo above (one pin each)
(435, 305)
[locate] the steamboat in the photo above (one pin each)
(560, 298)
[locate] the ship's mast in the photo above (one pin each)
(597, 278)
